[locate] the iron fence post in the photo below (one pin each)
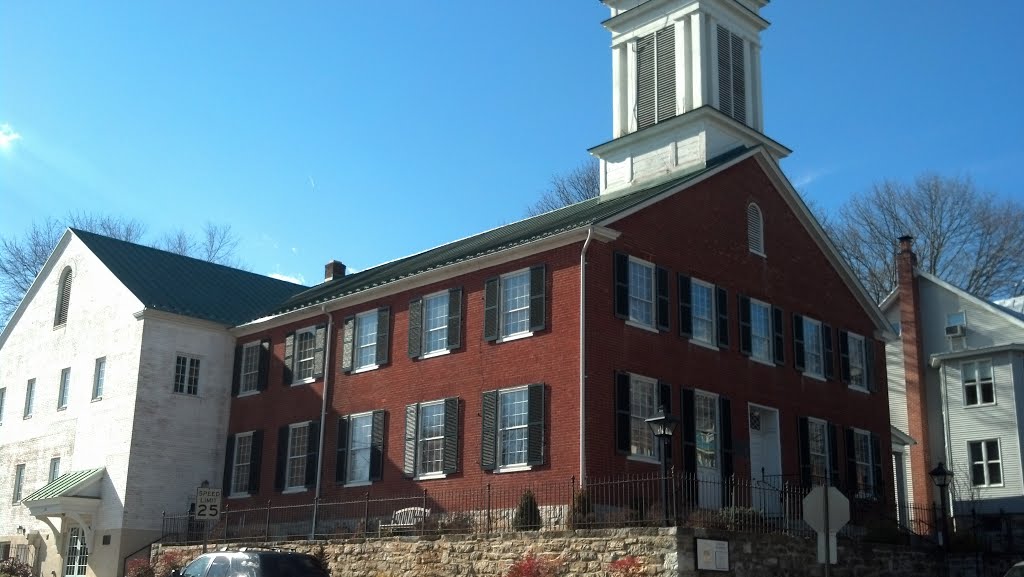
(224, 536)
(366, 513)
(312, 529)
(424, 508)
(488, 509)
(266, 527)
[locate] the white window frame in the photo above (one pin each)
(823, 454)
(504, 332)
(523, 428)
(249, 368)
(304, 364)
(857, 360)
(709, 401)
(99, 376)
(985, 462)
(978, 382)
(30, 398)
(192, 368)
(712, 319)
(76, 558)
(422, 439)
(352, 448)
(818, 349)
(19, 482)
(768, 337)
(54, 471)
(442, 298)
(296, 461)
(866, 461)
(360, 331)
(240, 470)
(647, 301)
(643, 445)
(3, 399)
(64, 389)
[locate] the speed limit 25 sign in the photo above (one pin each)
(207, 503)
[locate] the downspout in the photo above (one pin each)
(323, 418)
(583, 358)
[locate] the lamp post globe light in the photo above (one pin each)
(942, 476)
(663, 426)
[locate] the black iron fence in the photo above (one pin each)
(678, 499)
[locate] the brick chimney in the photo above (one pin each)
(914, 370)
(334, 270)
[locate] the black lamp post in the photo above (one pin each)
(941, 476)
(663, 426)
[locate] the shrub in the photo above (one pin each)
(11, 567)
(581, 511)
(167, 561)
(534, 566)
(628, 565)
(140, 567)
(527, 516)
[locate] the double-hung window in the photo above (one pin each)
(977, 381)
(986, 464)
(854, 360)
(244, 456)
(303, 356)
(515, 304)
(99, 374)
(252, 361)
(298, 443)
(298, 450)
(366, 340)
(818, 448)
(760, 331)
(30, 397)
(813, 349)
(249, 376)
(706, 418)
(431, 438)
(360, 448)
(636, 399)
(186, 375)
(434, 323)
(54, 469)
(641, 293)
(19, 481)
(3, 397)
(864, 461)
(64, 390)
(703, 312)
(513, 428)
(813, 358)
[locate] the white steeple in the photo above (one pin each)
(686, 87)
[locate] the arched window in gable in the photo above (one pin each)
(755, 229)
(63, 298)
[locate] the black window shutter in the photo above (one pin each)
(623, 421)
(722, 309)
(828, 351)
(725, 416)
(746, 338)
(876, 465)
(312, 452)
(348, 343)
(412, 413)
(538, 298)
(844, 356)
(622, 285)
(491, 309)
(535, 427)
(377, 446)
(383, 335)
(779, 344)
(341, 460)
(261, 381)
(665, 397)
(236, 374)
(833, 453)
(229, 465)
(685, 306)
(869, 364)
(451, 435)
(851, 462)
(289, 358)
(689, 444)
(282, 458)
(489, 432)
(454, 318)
(318, 351)
(798, 342)
(805, 451)
(415, 328)
(663, 299)
(255, 462)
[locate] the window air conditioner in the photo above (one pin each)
(955, 330)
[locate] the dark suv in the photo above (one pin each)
(253, 563)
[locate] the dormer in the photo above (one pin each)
(686, 87)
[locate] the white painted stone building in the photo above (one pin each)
(115, 375)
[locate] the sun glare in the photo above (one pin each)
(7, 136)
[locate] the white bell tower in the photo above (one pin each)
(686, 87)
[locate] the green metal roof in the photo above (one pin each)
(581, 214)
(188, 286)
(66, 485)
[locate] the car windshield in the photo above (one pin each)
(290, 566)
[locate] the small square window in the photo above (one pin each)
(986, 464)
(979, 388)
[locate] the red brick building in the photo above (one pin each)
(697, 283)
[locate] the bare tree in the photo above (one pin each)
(967, 237)
(579, 184)
(218, 244)
(178, 242)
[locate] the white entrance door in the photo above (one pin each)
(765, 459)
(709, 459)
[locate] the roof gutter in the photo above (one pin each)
(583, 357)
(323, 417)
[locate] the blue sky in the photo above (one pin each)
(365, 131)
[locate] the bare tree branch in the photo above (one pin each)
(579, 184)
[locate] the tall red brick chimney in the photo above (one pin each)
(333, 270)
(914, 370)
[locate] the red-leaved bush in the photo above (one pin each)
(533, 566)
(628, 565)
(139, 567)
